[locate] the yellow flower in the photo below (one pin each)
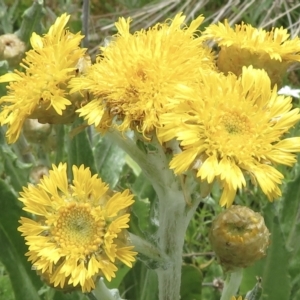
(245, 45)
(79, 230)
(239, 298)
(231, 126)
(40, 92)
(136, 74)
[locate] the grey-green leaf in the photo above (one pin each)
(110, 160)
(80, 150)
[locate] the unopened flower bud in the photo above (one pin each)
(37, 173)
(36, 132)
(239, 237)
(12, 49)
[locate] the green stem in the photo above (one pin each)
(232, 284)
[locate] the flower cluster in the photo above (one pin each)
(41, 91)
(78, 232)
(217, 115)
(225, 115)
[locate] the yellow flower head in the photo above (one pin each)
(136, 74)
(231, 126)
(79, 230)
(246, 45)
(40, 91)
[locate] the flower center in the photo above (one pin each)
(235, 123)
(232, 134)
(78, 228)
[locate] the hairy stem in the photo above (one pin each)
(103, 293)
(175, 210)
(232, 284)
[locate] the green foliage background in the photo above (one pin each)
(280, 270)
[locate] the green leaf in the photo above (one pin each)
(120, 274)
(290, 215)
(6, 17)
(191, 283)
(24, 281)
(256, 292)
(140, 283)
(6, 291)
(69, 296)
(144, 215)
(290, 221)
(110, 160)
(80, 150)
(3, 70)
(141, 211)
(16, 170)
(31, 21)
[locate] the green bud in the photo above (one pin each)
(12, 49)
(239, 237)
(36, 132)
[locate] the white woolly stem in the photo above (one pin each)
(174, 217)
(172, 227)
(103, 293)
(174, 213)
(232, 284)
(150, 251)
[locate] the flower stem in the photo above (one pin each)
(174, 217)
(159, 258)
(232, 284)
(103, 293)
(172, 227)
(175, 210)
